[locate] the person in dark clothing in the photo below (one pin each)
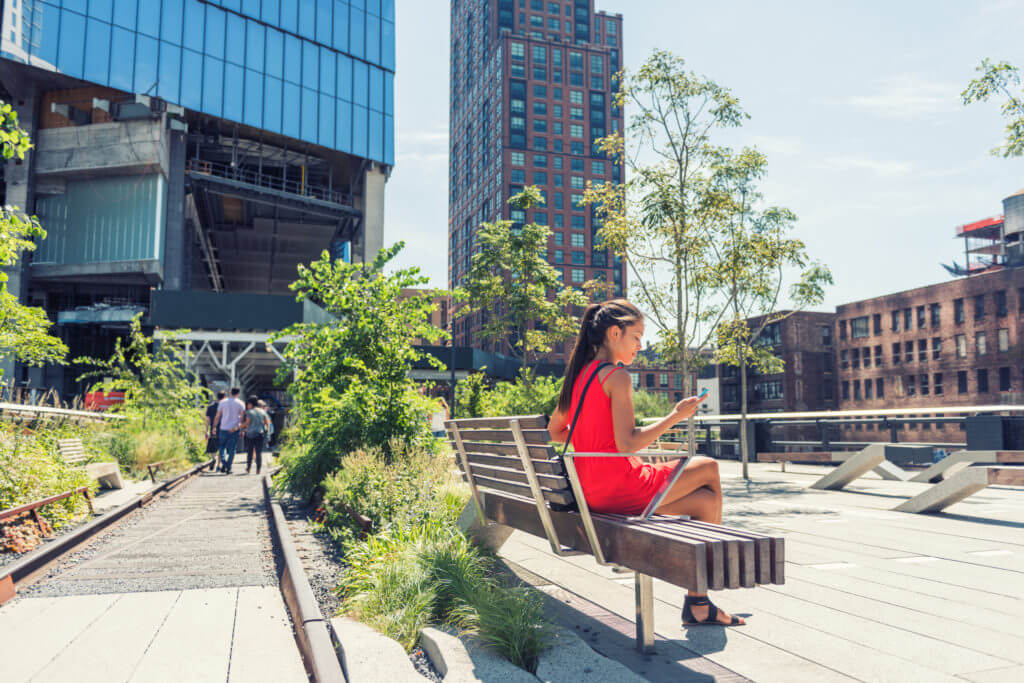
(211, 428)
(255, 425)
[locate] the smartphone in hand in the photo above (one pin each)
(703, 393)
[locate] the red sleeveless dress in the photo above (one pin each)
(613, 485)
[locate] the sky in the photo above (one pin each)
(856, 105)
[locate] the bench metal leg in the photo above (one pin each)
(644, 593)
(891, 471)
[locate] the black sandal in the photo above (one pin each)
(710, 620)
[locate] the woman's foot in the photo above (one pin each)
(698, 610)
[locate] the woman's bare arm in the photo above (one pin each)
(628, 437)
(558, 426)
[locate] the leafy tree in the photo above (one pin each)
(151, 373)
(758, 254)
(352, 385)
(666, 219)
(1001, 79)
(534, 397)
(650, 404)
(520, 296)
(24, 330)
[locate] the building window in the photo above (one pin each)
(540, 178)
(541, 161)
(577, 240)
(677, 381)
(846, 390)
(922, 350)
(576, 182)
(1004, 379)
(768, 391)
(859, 327)
(577, 275)
(895, 353)
(540, 217)
(856, 390)
(908, 318)
(908, 352)
(958, 311)
(576, 130)
(517, 50)
(936, 348)
(518, 158)
(924, 385)
(663, 380)
(920, 317)
(878, 355)
(634, 378)
(559, 238)
(876, 322)
(895, 321)
(1001, 303)
(826, 335)
(827, 390)
(981, 345)
(909, 384)
(979, 307)
(937, 384)
(578, 223)
(1003, 336)
(649, 379)
(517, 176)
(934, 314)
(961, 346)
(961, 382)
(844, 359)
(880, 388)
(854, 358)
(842, 329)
(771, 335)
(559, 256)
(982, 380)
(867, 388)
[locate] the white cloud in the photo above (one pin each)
(773, 145)
(907, 97)
(423, 148)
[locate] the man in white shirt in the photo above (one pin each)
(228, 419)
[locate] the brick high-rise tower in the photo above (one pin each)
(531, 89)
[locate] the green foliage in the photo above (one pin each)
(352, 386)
(526, 396)
(162, 401)
(1001, 79)
(646, 405)
(31, 468)
(410, 492)
(520, 296)
(24, 330)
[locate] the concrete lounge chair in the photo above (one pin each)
(961, 485)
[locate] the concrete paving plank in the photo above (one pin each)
(1013, 673)
(15, 615)
(40, 640)
(199, 627)
(112, 646)
(263, 648)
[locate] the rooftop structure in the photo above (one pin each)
(994, 242)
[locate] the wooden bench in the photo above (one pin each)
(517, 483)
(107, 473)
(961, 485)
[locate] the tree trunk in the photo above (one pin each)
(744, 445)
(691, 422)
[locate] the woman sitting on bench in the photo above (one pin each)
(610, 336)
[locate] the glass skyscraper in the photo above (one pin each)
(321, 71)
(189, 155)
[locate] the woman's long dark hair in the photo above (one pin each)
(593, 325)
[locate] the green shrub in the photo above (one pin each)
(525, 396)
(178, 436)
(31, 468)
(647, 405)
(408, 577)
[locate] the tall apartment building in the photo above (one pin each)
(531, 89)
(188, 155)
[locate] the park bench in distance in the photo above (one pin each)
(108, 473)
(517, 482)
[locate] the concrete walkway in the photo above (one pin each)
(870, 594)
(184, 590)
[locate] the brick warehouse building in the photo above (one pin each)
(953, 343)
(531, 89)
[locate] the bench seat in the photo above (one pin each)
(74, 453)
(518, 483)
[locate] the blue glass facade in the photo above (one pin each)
(321, 71)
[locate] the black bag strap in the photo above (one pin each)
(579, 406)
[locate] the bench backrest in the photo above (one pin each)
(488, 445)
(72, 451)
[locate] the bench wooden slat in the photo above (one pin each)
(525, 421)
(1006, 476)
(739, 553)
(509, 462)
(762, 549)
(538, 436)
(716, 554)
(558, 497)
(554, 482)
(1010, 457)
(749, 553)
(680, 562)
(541, 452)
(816, 456)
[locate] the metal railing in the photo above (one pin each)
(893, 420)
(33, 507)
(269, 181)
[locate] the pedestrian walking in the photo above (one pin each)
(228, 420)
(256, 425)
(211, 426)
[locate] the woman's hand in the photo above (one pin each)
(687, 407)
